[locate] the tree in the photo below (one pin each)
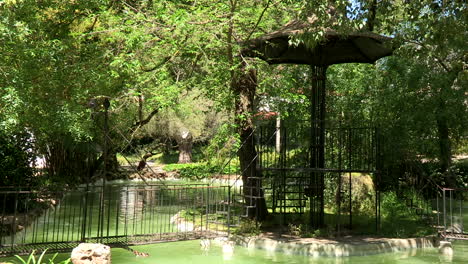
(51, 75)
(433, 50)
(192, 120)
(416, 96)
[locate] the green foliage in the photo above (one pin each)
(295, 230)
(398, 220)
(284, 89)
(302, 230)
(16, 158)
(248, 227)
(173, 55)
(200, 170)
(31, 259)
(223, 145)
(459, 170)
(362, 194)
(193, 113)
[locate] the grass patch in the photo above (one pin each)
(200, 170)
(122, 159)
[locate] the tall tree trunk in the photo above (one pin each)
(185, 142)
(445, 149)
(112, 164)
(244, 87)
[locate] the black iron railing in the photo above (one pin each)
(112, 214)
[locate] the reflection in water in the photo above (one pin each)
(189, 252)
(131, 204)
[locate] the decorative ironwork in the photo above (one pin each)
(299, 174)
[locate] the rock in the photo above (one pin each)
(182, 225)
(445, 248)
(89, 253)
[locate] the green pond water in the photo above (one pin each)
(189, 252)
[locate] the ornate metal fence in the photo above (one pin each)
(111, 214)
(452, 213)
(287, 161)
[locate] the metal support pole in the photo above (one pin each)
(106, 105)
(451, 212)
(340, 167)
(350, 166)
(378, 167)
(317, 116)
(438, 209)
(445, 213)
(461, 216)
(229, 211)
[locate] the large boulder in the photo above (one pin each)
(89, 253)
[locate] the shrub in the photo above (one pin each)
(362, 193)
(249, 227)
(460, 169)
(16, 158)
(398, 220)
(199, 170)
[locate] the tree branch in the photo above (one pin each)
(146, 120)
(437, 59)
(164, 61)
(259, 20)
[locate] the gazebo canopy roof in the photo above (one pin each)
(275, 47)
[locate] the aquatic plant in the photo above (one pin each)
(31, 259)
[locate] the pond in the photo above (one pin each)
(189, 252)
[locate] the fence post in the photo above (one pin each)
(445, 212)
(461, 215)
(229, 211)
(207, 209)
(100, 230)
(438, 209)
(85, 215)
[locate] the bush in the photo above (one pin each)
(16, 158)
(249, 227)
(362, 193)
(398, 220)
(201, 170)
(459, 169)
(223, 145)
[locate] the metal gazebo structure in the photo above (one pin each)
(294, 182)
